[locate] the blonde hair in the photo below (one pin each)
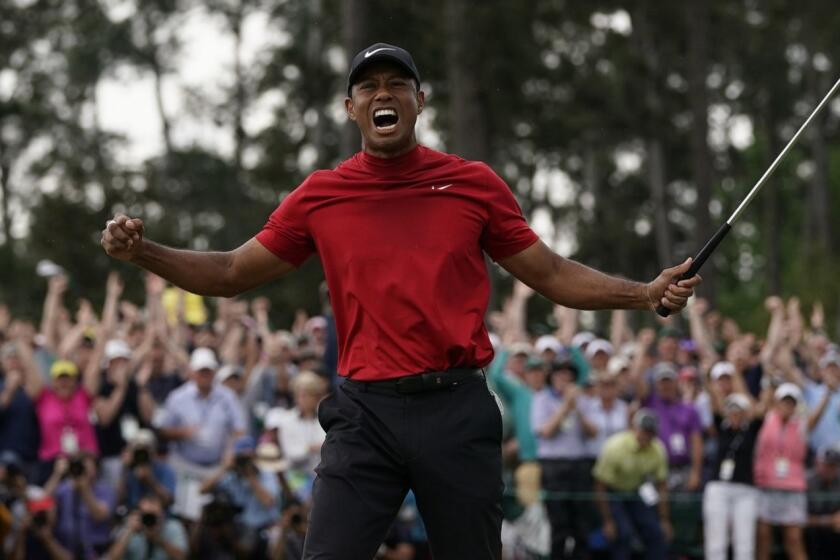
(309, 382)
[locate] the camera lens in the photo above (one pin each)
(148, 519)
(140, 457)
(40, 519)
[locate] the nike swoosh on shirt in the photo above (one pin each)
(374, 51)
(434, 188)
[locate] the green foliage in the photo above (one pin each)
(571, 86)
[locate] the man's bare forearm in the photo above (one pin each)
(576, 285)
(198, 272)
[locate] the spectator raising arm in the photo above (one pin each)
(92, 374)
(56, 286)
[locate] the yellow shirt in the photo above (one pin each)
(624, 466)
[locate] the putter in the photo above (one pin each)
(715, 240)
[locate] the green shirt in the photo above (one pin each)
(516, 397)
(624, 466)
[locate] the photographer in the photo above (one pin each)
(84, 503)
(288, 535)
(216, 536)
(149, 534)
(145, 473)
(35, 536)
(253, 490)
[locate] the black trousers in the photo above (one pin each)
(569, 516)
(445, 445)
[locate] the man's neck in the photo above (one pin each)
(391, 154)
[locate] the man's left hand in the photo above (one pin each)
(671, 292)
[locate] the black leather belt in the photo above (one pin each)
(419, 382)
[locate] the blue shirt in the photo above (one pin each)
(135, 489)
(567, 441)
(75, 528)
(254, 514)
(827, 429)
(216, 417)
(19, 425)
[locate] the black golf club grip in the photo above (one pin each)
(698, 261)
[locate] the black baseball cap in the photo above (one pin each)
(646, 420)
(378, 52)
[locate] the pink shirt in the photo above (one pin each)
(70, 419)
(780, 454)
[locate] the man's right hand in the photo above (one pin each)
(122, 237)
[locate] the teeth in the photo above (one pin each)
(383, 112)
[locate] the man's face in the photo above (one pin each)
(599, 360)
(724, 383)
(535, 378)
(831, 374)
(666, 388)
(644, 437)
(608, 389)
(666, 348)
(385, 103)
(204, 379)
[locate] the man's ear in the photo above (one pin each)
(421, 101)
(351, 110)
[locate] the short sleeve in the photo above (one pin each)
(605, 467)
(237, 418)
(506, 232)
(286, 233)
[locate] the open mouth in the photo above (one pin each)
(385, 120)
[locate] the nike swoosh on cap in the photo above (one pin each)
(435, 188)
(374, 51)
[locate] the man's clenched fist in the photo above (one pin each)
(122, 237)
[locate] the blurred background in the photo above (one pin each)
(627, 129)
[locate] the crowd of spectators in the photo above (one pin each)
(185, 428)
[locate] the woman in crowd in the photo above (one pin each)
(780, 471)
(64, 406)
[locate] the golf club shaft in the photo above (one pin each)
(710, 245)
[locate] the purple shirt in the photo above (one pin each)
(678, 421)
(75, 529)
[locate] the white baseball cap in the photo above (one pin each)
(203, 358)
(548, 342)
(722, 368)
(227, 371)
(829, 358)
(519, 348)
(115, 349)
(599, 345)
(616, 364)
(788, 390)
(737, 400)
(582, 338)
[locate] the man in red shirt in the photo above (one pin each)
(401, 231)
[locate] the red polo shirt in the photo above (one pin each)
(401, 241)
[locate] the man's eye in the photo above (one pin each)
(398, 83)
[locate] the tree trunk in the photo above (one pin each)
(656, 179)
(354, 36)
(770, 211)
(468, 128)
(697, 16)
(239, 96)
(817, 222)
(5, 194)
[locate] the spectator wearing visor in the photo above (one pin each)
(822, 534)
(631, 491)
(730, 500)
(679, 427)
(64, 409)
(559, 425)
(779, 471)
(201, 419)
